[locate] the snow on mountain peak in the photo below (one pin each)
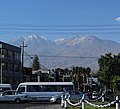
(44, 37)
(28, 39)
(76, 40)
(31, 37)
(82, 38)
(59, 40)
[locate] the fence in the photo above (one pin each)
(65, 99)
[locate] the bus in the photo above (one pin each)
(43, 91)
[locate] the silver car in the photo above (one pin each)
(13, 96)
(57, 98)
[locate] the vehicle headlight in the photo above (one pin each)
(52, 99)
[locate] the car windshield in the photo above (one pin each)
(9, 93)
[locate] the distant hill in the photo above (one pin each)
(67, 52)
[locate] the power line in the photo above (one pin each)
(31, 57)
(28, 55)
(43, 25)
(60, 29)
(66, 56)
(61, 33)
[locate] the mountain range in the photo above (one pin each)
(67, 52)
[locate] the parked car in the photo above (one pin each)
(109, 95)
(14, 96)
(75, 96)
(95, 95)
(56, 99)
(4, 87)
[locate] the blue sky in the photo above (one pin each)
(60, 13)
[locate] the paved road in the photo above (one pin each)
(29, 106)
(46, 107)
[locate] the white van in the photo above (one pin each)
(4, 87)
(43, 91)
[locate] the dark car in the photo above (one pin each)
(109, 95)
(75, 96)
(95, 94)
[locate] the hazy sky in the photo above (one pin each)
(60, 18)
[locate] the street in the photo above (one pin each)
(30, 105)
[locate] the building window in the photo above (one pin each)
(11, 67)
(17, 68)
(5, 66)
(10, 54)
(4, 52)
(17, 56)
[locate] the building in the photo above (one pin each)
(27, 74)
(42, 75)
(10, 64)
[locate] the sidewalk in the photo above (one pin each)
(58, 106)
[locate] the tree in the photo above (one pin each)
(57, 74)
(76, 77)
(80, 75)
(88, 70)
(105, 70)
(116, 84)
(36, 63)
(109, 70)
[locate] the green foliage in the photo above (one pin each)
(36, 63)
(80, 75)
(109, 68)
(116, 84)
(72, 107)
(88, 107)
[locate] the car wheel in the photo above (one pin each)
(18, 100)
(58, 101)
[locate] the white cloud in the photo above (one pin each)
(117, 19)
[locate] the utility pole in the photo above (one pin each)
(22, 54)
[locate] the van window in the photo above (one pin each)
(21, 89)
(32, 88)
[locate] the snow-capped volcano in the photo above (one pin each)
(35, 37)
(67, 52)
(75, 40)
(28, 39)
(35, 44)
